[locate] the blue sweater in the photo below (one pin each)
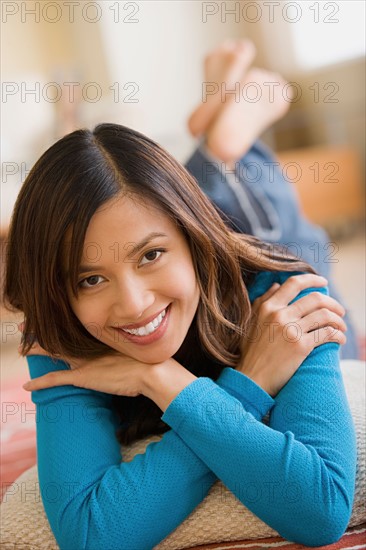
(297, 473)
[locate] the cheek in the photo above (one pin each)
(91, 317)
(89, 313)
(181, 282)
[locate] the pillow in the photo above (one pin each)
(219, 517)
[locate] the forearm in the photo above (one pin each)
(79, 454)
(97, 486)
(116, 503)
(164, 382)
(293, 478)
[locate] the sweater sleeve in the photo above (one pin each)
(81, 474)
(91, 498)
(298, 473)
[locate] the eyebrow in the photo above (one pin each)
(139, 246)
(135, 249)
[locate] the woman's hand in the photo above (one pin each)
(118, 375)
(114, 374)
(281, 336)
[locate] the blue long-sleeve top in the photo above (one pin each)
(296, 472)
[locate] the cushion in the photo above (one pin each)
(219, 517)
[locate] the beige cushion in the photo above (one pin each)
(220, 516)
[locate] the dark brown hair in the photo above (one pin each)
(70, 181)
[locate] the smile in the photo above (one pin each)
(149, 328)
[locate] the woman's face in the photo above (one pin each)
(138, 291)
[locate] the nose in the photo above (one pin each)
(132, 297)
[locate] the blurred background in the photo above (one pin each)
(73, 64)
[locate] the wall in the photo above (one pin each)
(152, 52)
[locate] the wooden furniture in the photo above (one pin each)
(329, 183)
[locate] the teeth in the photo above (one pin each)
(149, 328)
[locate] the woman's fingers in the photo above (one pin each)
(294, 285)
(55, 378)
(322, 318)
(114, 374)
(267, 295)
(313, 302)
(326, 335)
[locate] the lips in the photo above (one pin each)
(148, 328)
(139, 333)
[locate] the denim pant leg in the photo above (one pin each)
(258, 200)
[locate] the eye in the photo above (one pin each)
(91, 281)
(151, 256)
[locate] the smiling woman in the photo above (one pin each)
(163, 320)
(124, 294)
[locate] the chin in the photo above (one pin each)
(152, 357)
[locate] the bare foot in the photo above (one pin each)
(225, 68)
(263, 99)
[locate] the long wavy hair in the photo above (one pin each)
(66, 186)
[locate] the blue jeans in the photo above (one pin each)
(256, 199)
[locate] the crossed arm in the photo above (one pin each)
(296, 474)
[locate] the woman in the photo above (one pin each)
(125, 271)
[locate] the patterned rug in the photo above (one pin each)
(18, 431)
(353, 539)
